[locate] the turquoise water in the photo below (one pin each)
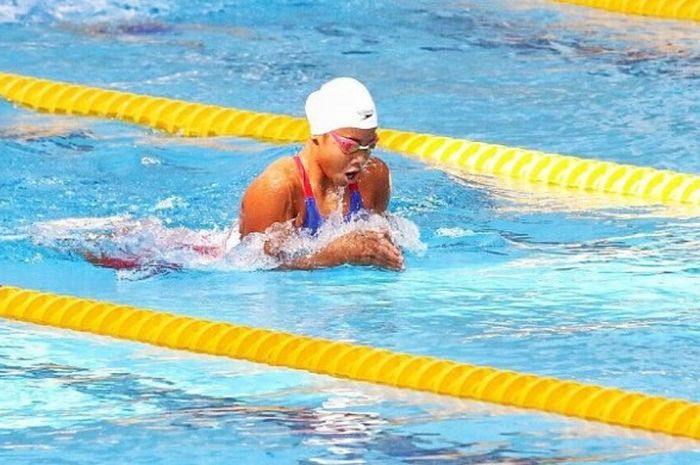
(570, 285)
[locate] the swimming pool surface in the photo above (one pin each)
(576, 286)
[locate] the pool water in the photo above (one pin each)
(517, 276)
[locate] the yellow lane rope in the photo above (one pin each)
(356, 362)
(674, 9)
(195, 119)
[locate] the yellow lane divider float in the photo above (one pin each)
(194, 119)
(356, 362)
(674, 9)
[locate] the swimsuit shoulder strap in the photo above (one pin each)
(304, 178)
(313, 219)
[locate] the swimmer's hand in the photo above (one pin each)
(373, 248)
(366, 247)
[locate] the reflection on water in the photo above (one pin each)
(32, 134)
(574, 33)
(331, 428)
(576, 285)
(520, 196)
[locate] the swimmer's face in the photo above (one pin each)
(345, 152)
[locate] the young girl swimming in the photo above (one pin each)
(333, 172)
(333, 179)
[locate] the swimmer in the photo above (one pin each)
(333, 172)
(333, 175)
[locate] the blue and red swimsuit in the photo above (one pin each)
(313, 219)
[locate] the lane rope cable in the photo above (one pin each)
(460, 155)
(355, 362)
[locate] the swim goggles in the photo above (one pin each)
(349, 146)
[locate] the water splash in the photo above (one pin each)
(140, 248)
(40, 11)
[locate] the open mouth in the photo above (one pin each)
(352, 175)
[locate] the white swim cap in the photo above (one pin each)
(340, 103)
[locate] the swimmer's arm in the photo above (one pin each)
(377, 192)
(363, 247)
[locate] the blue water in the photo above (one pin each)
(516, 276)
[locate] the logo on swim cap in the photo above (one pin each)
(366, 113)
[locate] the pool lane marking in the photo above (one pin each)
(189, 119)
(356, 362)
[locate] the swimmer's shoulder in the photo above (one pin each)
(271, 198)
(279, 184)
(281, 175)
(377, 168)
(376, 175)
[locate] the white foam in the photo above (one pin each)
(157, 247)
(454, 232)
(79, 11)
(170, 202)
(150, 161)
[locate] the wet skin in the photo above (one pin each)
(276, 199)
